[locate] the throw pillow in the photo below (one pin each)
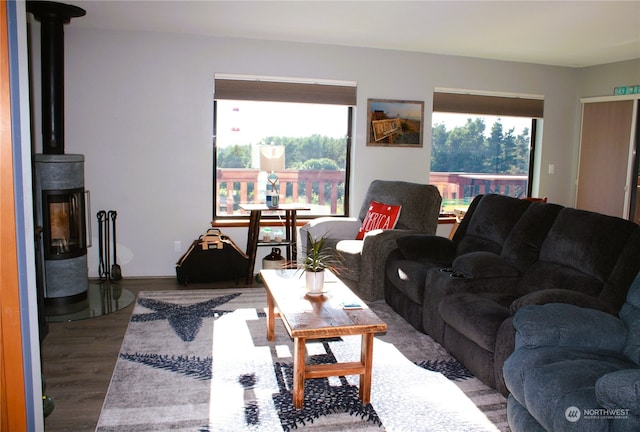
(379, 216)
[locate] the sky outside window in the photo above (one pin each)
(249, 122)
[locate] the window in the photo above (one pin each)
(301, 132)
(482, 144)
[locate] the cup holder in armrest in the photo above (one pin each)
(452, 273)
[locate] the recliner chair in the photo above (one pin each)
(575, 368)
(363, 261)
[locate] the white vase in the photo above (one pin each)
(315, 282)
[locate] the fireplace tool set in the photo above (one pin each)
(108, 270)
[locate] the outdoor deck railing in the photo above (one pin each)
(458, 186)
(321, 187)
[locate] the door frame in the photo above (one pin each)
(21, 406)
(12, 388)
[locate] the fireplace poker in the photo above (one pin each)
(102, 269)
(116, 273)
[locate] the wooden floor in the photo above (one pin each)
(78, 359)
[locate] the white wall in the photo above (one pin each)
(139, 107)
(601, 80)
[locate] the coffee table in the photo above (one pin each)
(317, 317)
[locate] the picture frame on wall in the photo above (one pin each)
(394, 123)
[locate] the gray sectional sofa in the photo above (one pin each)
(508, 253)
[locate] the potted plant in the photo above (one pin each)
(318, 259)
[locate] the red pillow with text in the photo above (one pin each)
(379, 216)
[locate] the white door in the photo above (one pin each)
(606, 155)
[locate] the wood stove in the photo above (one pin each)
(61, 212)
(59, 178)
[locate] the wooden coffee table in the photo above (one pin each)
(317, 317)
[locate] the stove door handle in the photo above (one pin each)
(87, 203)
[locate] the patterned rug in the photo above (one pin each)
(200, 361)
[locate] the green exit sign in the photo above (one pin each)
(626, 90)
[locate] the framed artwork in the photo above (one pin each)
(394, 123)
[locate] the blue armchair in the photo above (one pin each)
(575, 368)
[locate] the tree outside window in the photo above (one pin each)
(476, 154)
(314, 140)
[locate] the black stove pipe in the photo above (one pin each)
(53, 16)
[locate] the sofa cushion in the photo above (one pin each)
(522, 246)
(633, 296)
(560, 296)
(586, 241)
(439, 250)
(474, 316)
(483, 231)
(631, 317)
(548, 380)
(520, 420)
(557, 324)
(620, 390)
(544, 275)
(480, 265)
(630, 314)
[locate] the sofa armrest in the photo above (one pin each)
(427, 247)
(557, 324)
(561, 296)
(337, 228)
(484, 265)
(620, 390)
(340, 228)
(377, 246)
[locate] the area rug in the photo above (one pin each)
(200, 361)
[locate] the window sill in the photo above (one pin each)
(244, 222)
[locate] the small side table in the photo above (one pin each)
(289, 241)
